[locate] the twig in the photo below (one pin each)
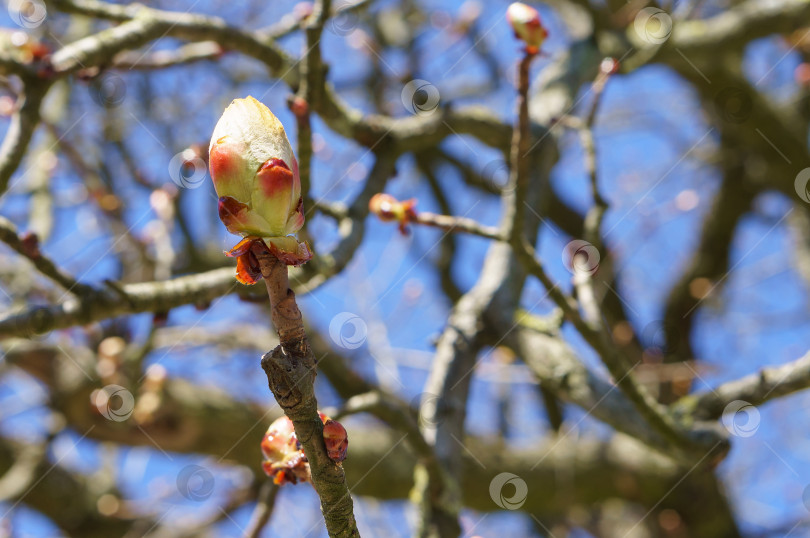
(447, 243)
(8, 234)
(368, 130)
(519, 156)
(657, 416)
(23, 124)
(185, 54)
(458, 224)
(290, 370)
(755, 389)
(310, 91)
(592, 227)
(289, 23)
(157, 296)
(592, 328)
(593, 221)
(397, 414)
(263, 511)
(352, 218)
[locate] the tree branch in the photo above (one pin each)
(23, 124)
(290, 370)
(8, 234)
(755, 389)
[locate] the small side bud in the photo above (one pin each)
(525, 21)
(389, 209)
(609, 66)
(336, 440)
(30, 245)
(284, 461)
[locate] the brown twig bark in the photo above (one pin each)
(452, 223)
(9, 235)
(290, 369)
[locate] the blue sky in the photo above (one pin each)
(647, 123)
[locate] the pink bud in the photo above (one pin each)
(336, 440)
(284, 460)
(609, 66)
(802, 74)
(525, 21)
(30, 245)
(388, 209)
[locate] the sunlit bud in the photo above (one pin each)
(255, 174)
(389, 209)
(525, 21)
(284, 461)
(336, 440)
(609, 66)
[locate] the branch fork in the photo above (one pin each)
(290, 369)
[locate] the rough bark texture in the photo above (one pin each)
(291, 369)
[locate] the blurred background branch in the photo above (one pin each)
(664, 215)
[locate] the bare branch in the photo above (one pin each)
(290, 370)
(755, 389)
